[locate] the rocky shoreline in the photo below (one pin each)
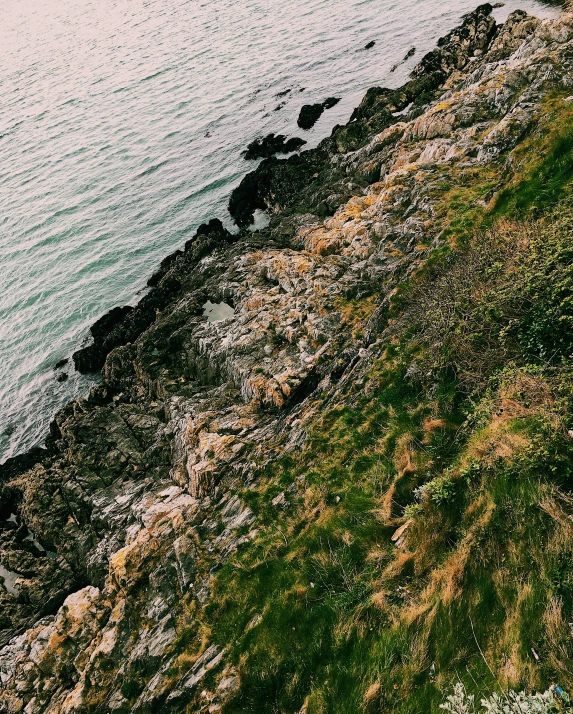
(117, 529)
(309, 182)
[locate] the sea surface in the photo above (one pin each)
(121, 129)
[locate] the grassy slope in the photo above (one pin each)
(459, 429)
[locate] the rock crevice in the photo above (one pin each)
(139, 496)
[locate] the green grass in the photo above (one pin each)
(462, 432)
(545, 165)
(301, 606)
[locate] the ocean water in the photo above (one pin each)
(121, 129)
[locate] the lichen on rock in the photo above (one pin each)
(142, 495)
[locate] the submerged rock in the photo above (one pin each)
(271, 145)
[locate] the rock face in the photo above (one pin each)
(271, 145)
(308, 183)
(135, 504)
(125, 324)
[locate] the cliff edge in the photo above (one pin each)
(328, 468)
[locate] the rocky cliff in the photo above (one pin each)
(280, 499)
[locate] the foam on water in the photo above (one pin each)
(8, 579)
(121, 128)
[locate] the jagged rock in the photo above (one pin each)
(280, 501)
(271, 145)
(139, 498)
(210, 659)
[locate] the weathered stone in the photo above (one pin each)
(137, 502)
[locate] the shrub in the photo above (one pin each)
(440, 490)
(507, 298)
(459, 702)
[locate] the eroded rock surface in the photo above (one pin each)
(135, 504)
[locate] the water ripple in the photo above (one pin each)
(122, 124)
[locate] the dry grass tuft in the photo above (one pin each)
(372, 696)
(559, 641)
(431, 425)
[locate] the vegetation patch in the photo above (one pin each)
(423, 537)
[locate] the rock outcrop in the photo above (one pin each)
(123, 522)
(309, 182)
(271, 145)
(311, 113)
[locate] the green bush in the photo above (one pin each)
(440, 490)
(506, 299)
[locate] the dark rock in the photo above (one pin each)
(17, 465)
(454, 50)
(123, 325)
(370, 45)
(411, 52)
(92, 357)
(62, 377)
(309, 115)
(255, 189)
(101, 394)
(61, 363)
(271, 145)
(331, 102)
(250, 194)
(164, 268)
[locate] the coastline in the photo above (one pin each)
(294, 180)
(140, 491)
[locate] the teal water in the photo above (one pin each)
(121, 128)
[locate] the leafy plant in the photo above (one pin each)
(440, 490)
(459, 702)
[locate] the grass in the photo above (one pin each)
(544, 166)
(459, 434)
(323, 611)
